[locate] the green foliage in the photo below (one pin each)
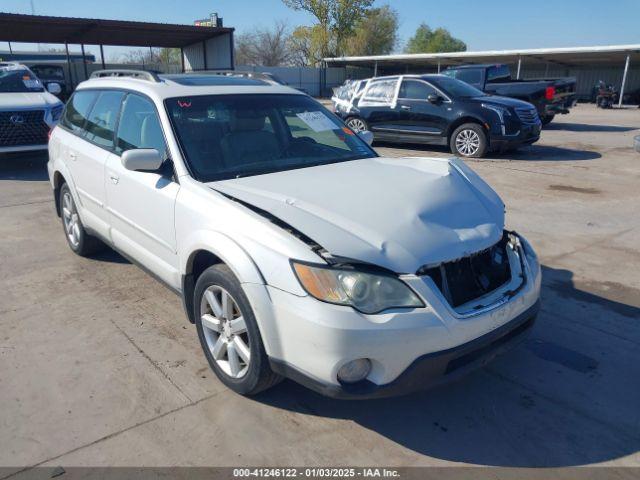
(375, 33)
(426, 40)
(336, 21)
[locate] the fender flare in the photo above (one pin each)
(227, 250)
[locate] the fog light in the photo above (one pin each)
(354, 371)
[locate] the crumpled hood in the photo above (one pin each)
(27, 100)
(398, 213)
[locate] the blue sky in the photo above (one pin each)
(483, 25)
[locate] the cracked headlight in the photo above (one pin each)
(365, 291)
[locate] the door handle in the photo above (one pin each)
(405, 107)
(73, 155)
(115, 179)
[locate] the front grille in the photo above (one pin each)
(471, 277)
(18, 128)
(528, 115)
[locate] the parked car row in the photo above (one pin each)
(437, 109)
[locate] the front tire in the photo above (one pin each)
(79, 241)
(229, 334)
(469, 140)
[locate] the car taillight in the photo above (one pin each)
(49, 134)
(550, 93)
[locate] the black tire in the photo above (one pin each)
(547, 119)
(359, 121)
(259, 376)
(482, 146)
(86, 244)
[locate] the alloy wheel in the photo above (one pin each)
(70, 219)
(468, 142)
(225, 331)
(357, 125)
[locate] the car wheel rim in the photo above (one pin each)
(468, 142)
(357, 125)
(225, 331)
(70, 219)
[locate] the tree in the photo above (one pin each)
(263, 46)
(375, 33)
(306, 45)
(336, 20)
(426, 40)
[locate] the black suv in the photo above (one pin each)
(440, 110)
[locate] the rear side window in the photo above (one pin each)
(75, 115)
(474, 77)
(102, 119)
(139, 126)
(415, 90)
(499, 72)
(380, 92)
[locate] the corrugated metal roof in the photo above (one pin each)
(567, 55)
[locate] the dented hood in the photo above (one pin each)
(398, 213)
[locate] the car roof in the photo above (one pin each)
(165, 86)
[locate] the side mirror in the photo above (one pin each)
(142, 160)
(433, 98)
(54, 88)
(367, 136)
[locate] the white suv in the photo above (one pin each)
(297, 250)
(27, 111)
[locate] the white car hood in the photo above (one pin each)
(27, 100)
(397, 213)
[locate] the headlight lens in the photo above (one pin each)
(501, 111)
(56, 112)
(366, 292)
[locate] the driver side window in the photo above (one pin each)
(415, 90)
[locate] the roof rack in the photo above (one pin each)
(141, 74)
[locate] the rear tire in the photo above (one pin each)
(229, 333)
(469, 140)
(547, 119)
(79, 241)
(357, 124)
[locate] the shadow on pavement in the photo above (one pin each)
(499, 415)
(31, 166)
(584, 127)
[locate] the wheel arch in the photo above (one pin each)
(209, 249)
(466, 119)
(59, 179)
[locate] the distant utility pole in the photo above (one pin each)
(33, 12)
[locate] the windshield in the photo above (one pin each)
(456, 88)
(13, 79)
(231, 136)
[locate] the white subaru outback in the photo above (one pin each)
(297, 250)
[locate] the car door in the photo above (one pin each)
(86, 159)
(141, 204)
(419, 118)
(377, 106)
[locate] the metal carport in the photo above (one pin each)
(202, 48)
(618, 62)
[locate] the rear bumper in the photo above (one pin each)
(429, 370)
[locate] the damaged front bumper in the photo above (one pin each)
(408, 349)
